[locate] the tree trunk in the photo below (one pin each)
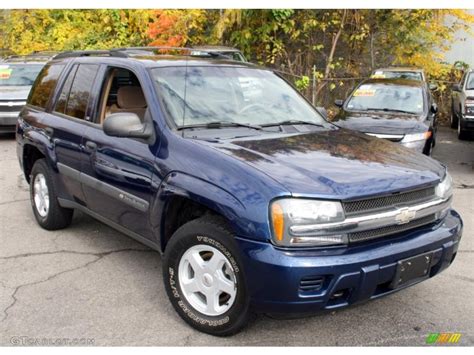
(335, 40)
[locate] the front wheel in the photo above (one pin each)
(462, 133)
(204, 278)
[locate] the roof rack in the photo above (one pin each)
(91, 53)
(126, 52)
(193, 52)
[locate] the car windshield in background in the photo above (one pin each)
(470, 82)
(387, 97)
(18, 74)
(230, 95)
(409, 75)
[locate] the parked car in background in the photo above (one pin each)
(256, 202)
(17, 75)
(462, 105)
(232, 53)
(399, 110)
(409, 73)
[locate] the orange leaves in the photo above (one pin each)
(176, 27)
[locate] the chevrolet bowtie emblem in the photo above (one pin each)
(405, 215)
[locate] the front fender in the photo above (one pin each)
(244, 222)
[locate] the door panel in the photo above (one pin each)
(67, 142)
(117, 179)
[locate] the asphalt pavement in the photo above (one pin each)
(91, 285)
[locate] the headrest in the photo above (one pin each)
(130, 97)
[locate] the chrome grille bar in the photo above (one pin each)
(395, 216)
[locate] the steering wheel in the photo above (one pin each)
(251, 106)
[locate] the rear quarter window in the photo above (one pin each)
(44, 85)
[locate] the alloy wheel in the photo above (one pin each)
(41, 195)
(207, 280)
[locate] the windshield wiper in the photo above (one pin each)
(292, 122)
(220, 124)
(390, 110)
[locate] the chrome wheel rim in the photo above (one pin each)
(41, 195)
(207, 280)
(459, 127)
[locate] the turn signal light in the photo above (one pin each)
(278, 221)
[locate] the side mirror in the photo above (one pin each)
(432, 86)
(322, 111)
(434, 108)
(339, 103)
(126, 124)
(456, 87)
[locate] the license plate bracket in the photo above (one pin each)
(412, 269)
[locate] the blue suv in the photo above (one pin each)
(255, 200)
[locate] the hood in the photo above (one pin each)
(14, 92)
(470, 93)
(380, 123)
(335, 163)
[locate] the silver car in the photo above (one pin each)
(17, 75)
(462, 107)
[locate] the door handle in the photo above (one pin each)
(91, 145)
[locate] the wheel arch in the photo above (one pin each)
(182, 198)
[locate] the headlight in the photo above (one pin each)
(444, 189)
(416, 137)
(290, 213)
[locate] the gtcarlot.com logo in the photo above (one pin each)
(23, 340)
(443, 338)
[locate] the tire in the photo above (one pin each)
(462, 134)
(453, 119)
(50, 215)
(428, 147)
(187, 259)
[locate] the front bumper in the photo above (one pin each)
(467, 123)
(8, 121)
(278, 280)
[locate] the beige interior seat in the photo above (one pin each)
(130, 99)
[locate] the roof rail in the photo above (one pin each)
(125, 52)
(194, 52)
(91, 53)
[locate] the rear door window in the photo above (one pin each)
(80, 90)
(44, 85)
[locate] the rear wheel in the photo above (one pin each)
(453, 120)
(204, 277)
(48, 213)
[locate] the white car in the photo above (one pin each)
(462, 107)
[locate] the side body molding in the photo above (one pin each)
(123, 196)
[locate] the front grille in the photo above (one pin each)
(363, 236)
(376, 204)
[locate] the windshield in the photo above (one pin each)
(19, 74)
(387, 97)
(470, 82)
(409, 75)
(228, 94)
